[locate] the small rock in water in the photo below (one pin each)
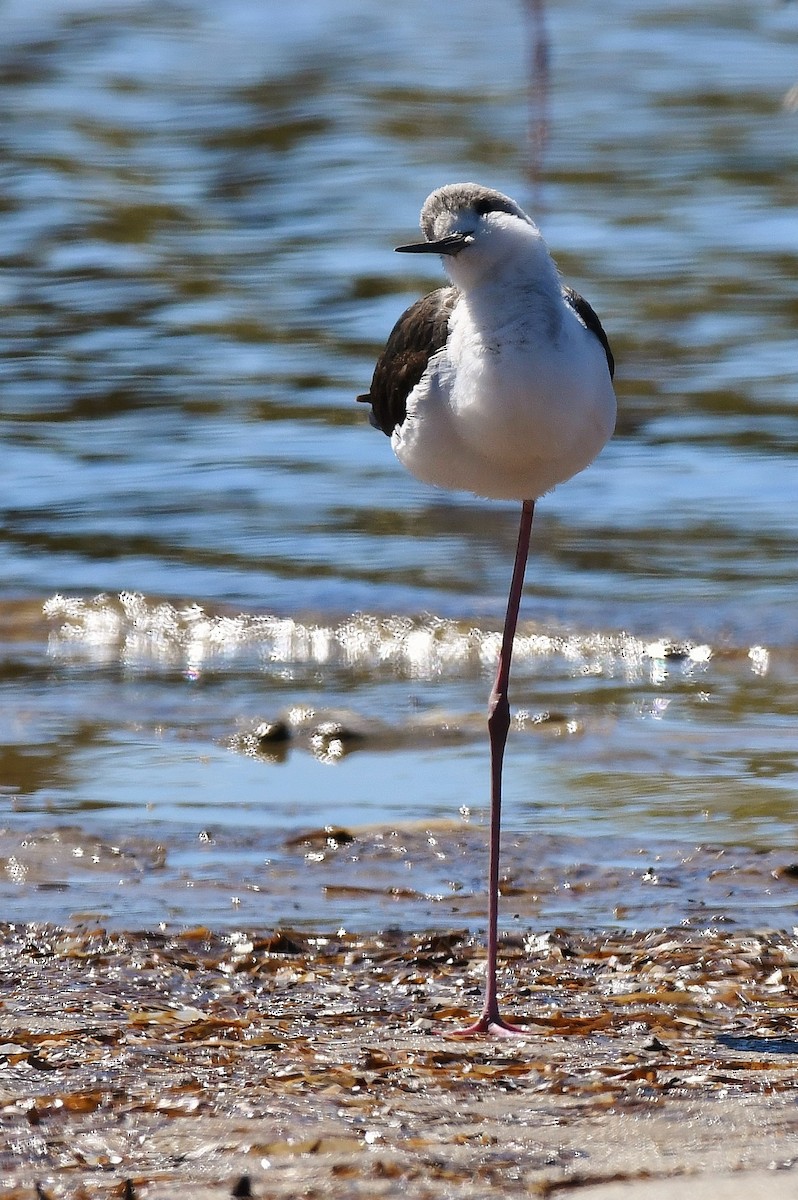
(790, 871)
(335, 730)
(273, 733)
(326, 838)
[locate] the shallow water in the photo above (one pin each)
(198, 208)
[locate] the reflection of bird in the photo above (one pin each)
(499, 385)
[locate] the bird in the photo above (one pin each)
(500, 384)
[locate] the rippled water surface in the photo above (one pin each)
(229, 619)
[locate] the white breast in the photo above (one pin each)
(509, 409)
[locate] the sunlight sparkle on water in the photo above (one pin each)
(146, 634)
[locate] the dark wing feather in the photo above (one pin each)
(416, 336)
(588, 316)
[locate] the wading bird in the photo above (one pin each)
(501, 385)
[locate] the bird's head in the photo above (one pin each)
(474, 228)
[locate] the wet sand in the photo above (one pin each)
(657, 1064)
(416, 876)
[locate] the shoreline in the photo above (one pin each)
(315, 1066)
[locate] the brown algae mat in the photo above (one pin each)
(280, 1065)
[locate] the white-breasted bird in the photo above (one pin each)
(499, 385)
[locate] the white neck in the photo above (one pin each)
(508, 275)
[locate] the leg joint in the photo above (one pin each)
(499, 713)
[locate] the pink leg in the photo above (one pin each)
(491, 1021)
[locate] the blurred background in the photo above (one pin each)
(228, 618)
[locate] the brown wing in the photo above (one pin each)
(416, 336)
(587, 314)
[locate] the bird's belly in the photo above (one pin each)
(515, 408)
(503, 410)
(497, 428)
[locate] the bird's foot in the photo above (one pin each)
(489, 1025)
